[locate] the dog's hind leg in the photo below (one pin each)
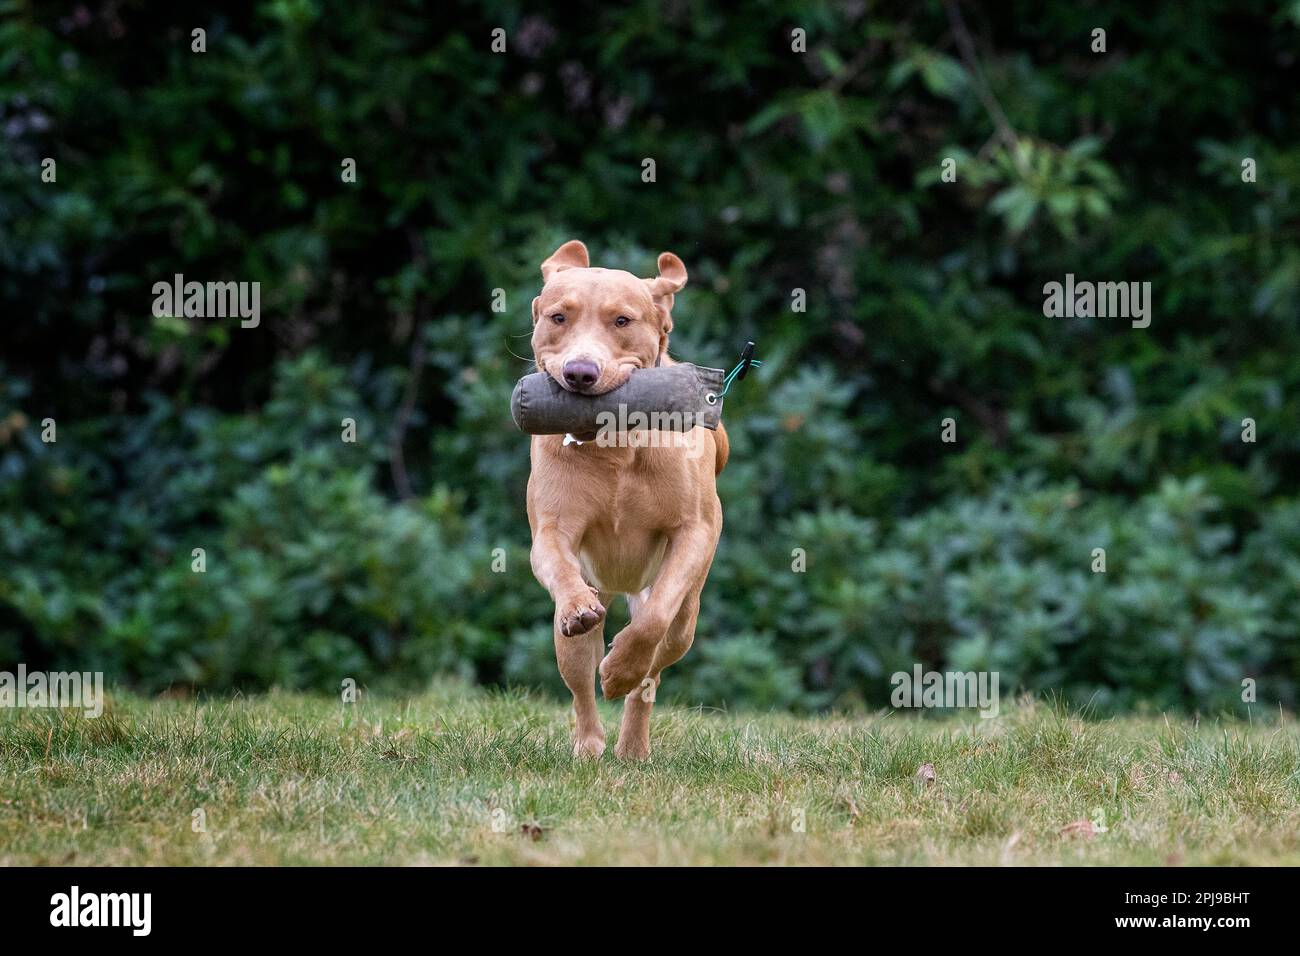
(634, 732)
(685, 566)
(578, 656)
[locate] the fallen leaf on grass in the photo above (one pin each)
(854, 813)
(532, 831)
(1081, 828)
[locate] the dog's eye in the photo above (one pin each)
(557, 319)
(622, 320)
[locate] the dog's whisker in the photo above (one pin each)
(520, 357)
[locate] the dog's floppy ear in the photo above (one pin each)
(571, 255)
(671, 280)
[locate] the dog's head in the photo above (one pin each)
(593, 327)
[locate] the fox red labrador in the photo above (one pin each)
(640, 519)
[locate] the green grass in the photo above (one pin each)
(286, 779)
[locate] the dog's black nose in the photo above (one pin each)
(581, 373)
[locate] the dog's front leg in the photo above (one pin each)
(690, 552)
(555, 565)
(578, 632)
(577, 656)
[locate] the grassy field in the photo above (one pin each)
(459, 776)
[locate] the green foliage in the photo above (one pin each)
(1005, 583)
(777, 171)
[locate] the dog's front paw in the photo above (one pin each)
(625, 667)
(581, 615)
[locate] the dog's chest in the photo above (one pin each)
(623, 549)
